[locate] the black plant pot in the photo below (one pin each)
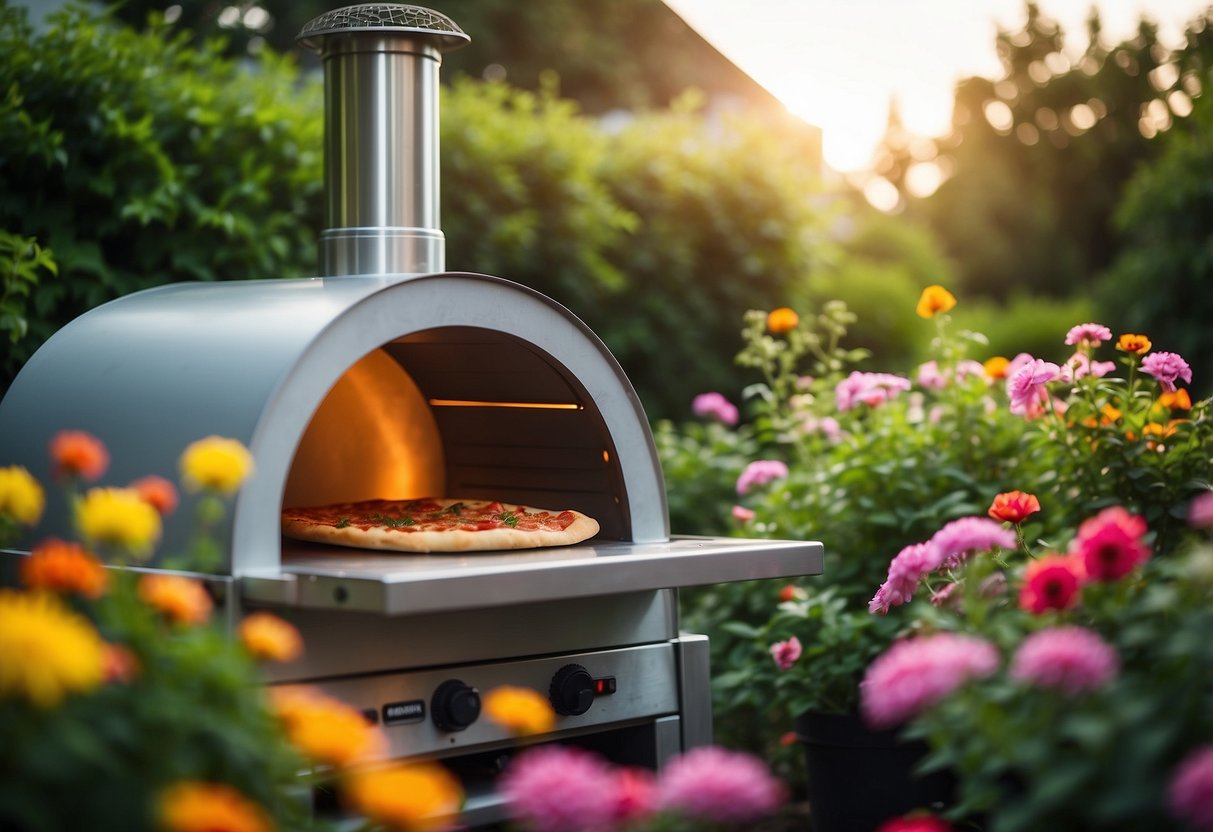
(859, 778)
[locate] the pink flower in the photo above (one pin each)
(1200, 511)
(556, 788)
(1029, 384)
(1051, 583)
(760, 472)
(1110, 544)
(915, 674)
(930, 377)
(785, 653)
(1080, 365)
(970, 534)
(1071, 659)
(635, 794)
(714, 406)
(1190, 794)
(742, 514)
(942, 597)
(1166, 367)
(1017, 363)
(872, 389)
(718, 786)
(828, 426)
(1088, 335)
(905, 571)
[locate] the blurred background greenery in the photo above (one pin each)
(646, 183)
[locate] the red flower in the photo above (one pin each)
(916, 823)
(1014, 506)
(791, 592)
(157, 492)
(1051, 583)
(1110, 544)
(78, 454)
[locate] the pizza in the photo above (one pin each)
(437, 525)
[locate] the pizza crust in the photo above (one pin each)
(582, 528)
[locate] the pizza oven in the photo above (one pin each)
(389, 377)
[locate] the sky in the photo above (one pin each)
(838, 63)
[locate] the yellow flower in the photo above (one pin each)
(1137, 344)
(118, 517)
(46, 650)
(522, 711)
(325, 730)
(21, 496)
(266, 636)
(193, 806)
(64, 567)
(410, 797)
(782, 320)
(216, 464)
(180, 600)
(935, 299)
(996, 367)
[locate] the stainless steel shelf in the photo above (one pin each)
(326, 577)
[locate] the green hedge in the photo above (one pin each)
(137, 159)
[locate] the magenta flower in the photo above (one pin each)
(717, 786)
(1190, 794)
(905, 571)
(1028, 385)
(1166, 367)
(970, 534)
(1088, 335)
(556, 788)
(1200, 511)
(760, 472)
(785, 653)
(1073, 660)
(915, 674)
(714, 406)
(1111, 544)
(872, 389)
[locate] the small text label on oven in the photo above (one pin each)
(395, 713)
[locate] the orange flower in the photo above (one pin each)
(121, 664)
(996, 367)
(934, 299)
(522, 711)
(1137, 344)
(194, 806)
(1014, 506)
(78, 454)
(64, 567)
(1179, 400)
(325, 730)
(782, 320)
(1155, 431)
(410, 797)
(266, 636)
(157, 492)
(180, 600)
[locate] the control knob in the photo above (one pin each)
(454, 705)
(572, 690)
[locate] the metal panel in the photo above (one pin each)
(331, 578)
(694, 689)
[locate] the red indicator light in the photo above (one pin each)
(604, 686)
(599, 685)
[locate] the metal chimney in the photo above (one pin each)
(381, 168)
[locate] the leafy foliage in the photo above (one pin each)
(21, 262)
(139, 160)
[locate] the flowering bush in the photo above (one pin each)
(559, 789)
(921, 487)
(123, 706)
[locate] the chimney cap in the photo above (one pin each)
(385, 17)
